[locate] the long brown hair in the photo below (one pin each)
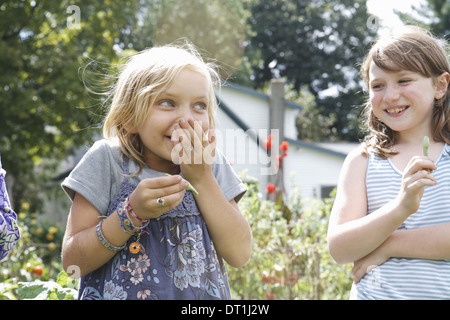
(414, 49)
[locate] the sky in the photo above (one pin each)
(384, 9)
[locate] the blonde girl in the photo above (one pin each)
(136, 228)
(391, 217)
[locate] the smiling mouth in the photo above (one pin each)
(396, 110)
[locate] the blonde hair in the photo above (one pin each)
(414, 49)
(143, 77)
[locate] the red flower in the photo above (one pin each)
(268, 143)
(270, 188)
(284, 146)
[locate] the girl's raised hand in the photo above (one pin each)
(416, 177)
(154, 196)
(194, 149)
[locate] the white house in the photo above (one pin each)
(243, 124)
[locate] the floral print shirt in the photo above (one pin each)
(9, 231)
(176, 258)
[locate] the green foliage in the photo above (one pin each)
(431, 14)
(63, 289)
(290, 258)
(316, 44)
(35, 258)
(30, 269)
(46, 111)
(215, 26)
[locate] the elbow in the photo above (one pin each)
(336, 253)
(70, 266)
(338, 259)
(72, 270)
(70, 261)
(241, 259)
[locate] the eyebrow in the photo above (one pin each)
(401, 73)
(173, 95)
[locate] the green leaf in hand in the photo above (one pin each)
(190, 187)
(426, 145)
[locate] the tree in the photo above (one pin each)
(216, 27)
(434, 15)
(45, 109)
(441, 10)
(314, 44)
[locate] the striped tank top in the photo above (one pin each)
(400, 278)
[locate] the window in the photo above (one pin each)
(325, 191)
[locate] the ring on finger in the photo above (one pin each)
(160, 202)
(190, 149)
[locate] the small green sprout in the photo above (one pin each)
(426, 145)
(190, 187)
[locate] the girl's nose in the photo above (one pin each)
(391, 94)
(185, 113)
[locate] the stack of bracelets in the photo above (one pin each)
(124, 211)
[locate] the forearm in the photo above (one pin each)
(229, 230)
(427, 243)
(83, 249)
(354, 239)
(84, 253)
(431, 243)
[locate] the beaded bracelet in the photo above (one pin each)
(130, 210)
(125, 222)
(104, 241)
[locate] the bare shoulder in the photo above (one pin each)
(355, 162)
(351, 199)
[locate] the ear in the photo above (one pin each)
(442, 83)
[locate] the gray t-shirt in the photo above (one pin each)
(99, 175)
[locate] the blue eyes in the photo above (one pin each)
(166, 103)
(200, 106)
(197, 106)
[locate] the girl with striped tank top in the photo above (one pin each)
(391, 216)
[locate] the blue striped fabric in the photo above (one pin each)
(408, 278)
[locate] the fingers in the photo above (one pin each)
(192, 138)
(418, 163)
(418, 173)
(153, 197)
(416, 177)
(163, 186)
(359, 270)
(420, 179)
